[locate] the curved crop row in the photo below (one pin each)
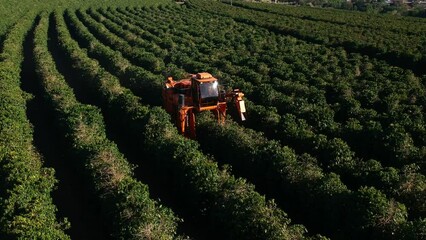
(136, 55)
(399, 49)
(13, 11)
(321, 144)
(379, 22)
(194, 51)
(104, 20)
(258, 169)
(337, 156)
(288, 61)
(319, 199)
(102, 52)
(230, 204)
(389, 129)
(125, 201)
(27, 211)
(114, 62)
(334, 151)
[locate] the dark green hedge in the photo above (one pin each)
(125, 201)
(231, 205)
(26, 208)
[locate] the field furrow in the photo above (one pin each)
(334, 153)
(333, 145)
(228, 203)
(27, 211)
(398, 49)
(255, 177)
(310, 93)
(124, 201)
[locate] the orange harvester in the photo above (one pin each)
(200, 92)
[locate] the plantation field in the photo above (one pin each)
(334, 146)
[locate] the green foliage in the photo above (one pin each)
(231, 204)
(125, 201)
(321, 197)
(381, 212)
(387, 39)
(321, 107)
(326, 110)
(27, 211)
(13, 10)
